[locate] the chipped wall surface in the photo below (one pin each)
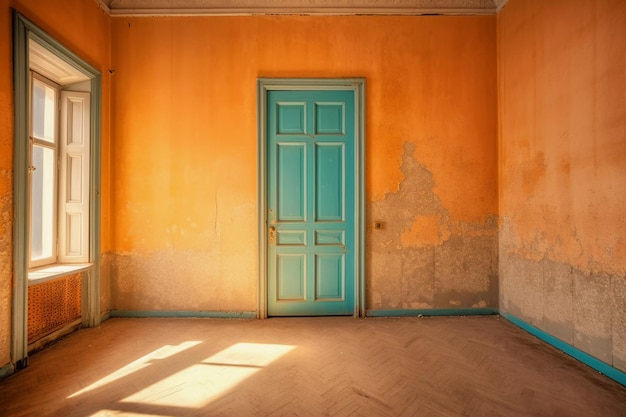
(184, 153)
(84, 28)
(562, 95)
(105, 283)
(184, 280)
(6, 183)
(6, 251)
(423, 258)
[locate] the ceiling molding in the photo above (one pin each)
(500, 4)
(104, 5)
(300, 7)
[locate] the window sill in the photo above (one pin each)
(50, 272)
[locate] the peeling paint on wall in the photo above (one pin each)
(105, 283)
(563, 171)
(184, 280)
(6, 263)
(184, 154)
(423, 259)
(581, 308)
(6, 183)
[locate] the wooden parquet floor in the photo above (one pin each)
(331, 366)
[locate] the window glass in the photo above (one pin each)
(42, 203)
(44, 120)
(43, 171)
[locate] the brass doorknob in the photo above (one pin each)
(272, 234)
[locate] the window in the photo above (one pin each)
(42, 170)
(58, 174)
(35, 50)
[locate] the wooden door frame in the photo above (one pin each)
(357, 85)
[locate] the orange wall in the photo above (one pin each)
(84, 28)
(184, 173)
(562, 89)
(179, 162)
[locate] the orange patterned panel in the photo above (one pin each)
(52, 304)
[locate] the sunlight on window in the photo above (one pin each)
(196, 385)
(43, 168)
(141, 363)
(42, 202)
(44, 117)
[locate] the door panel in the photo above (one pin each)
(329, 192)
(330, 276)
(291, 277)
(311, 252)
(292, 182)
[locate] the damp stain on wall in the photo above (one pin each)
(6, 184)
(422, 258)
(6, 256)
(184, 156)
(582, 308)
(562, 170)
(183, 279)
(105, 283)
(198, 267)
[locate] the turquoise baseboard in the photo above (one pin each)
(433, 312)
(568, 349)
(183, 314)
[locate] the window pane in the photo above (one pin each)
(42, 203)
(44, 99)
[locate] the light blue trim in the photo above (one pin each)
(433, 312)
(572, 351)
(262, 197)
(182, 314)
(91, 279)
(6, 371)
(19, 316)
(359, 184)
(358, 86)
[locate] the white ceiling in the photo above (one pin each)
(300, 7)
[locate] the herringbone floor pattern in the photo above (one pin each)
(332, 366)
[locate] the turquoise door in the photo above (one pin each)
(311, 231)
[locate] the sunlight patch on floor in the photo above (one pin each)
(198, 384)
(141, 363)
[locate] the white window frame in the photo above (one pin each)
(33, 141)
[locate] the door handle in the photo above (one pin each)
(272, 234)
